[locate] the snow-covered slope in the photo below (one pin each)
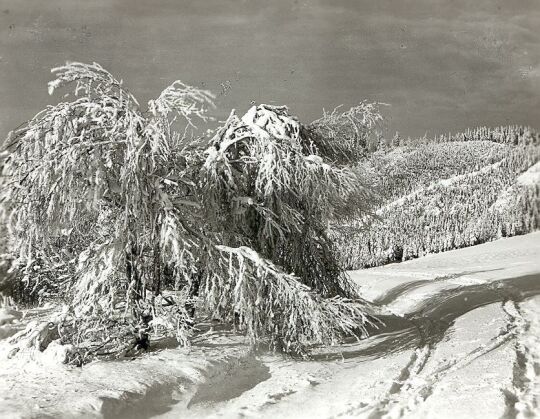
(465, 345)
(402, 286)
(531, 176)
(442, 196)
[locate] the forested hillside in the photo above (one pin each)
(446, 193)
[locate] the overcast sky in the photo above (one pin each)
(442, 65)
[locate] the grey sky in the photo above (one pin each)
(441, 64)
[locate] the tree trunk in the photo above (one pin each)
(193, 292)
(132, 272)
(156, 268)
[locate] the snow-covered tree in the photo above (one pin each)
(118, 210)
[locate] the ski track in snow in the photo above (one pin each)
(412, 387)
(523, 396)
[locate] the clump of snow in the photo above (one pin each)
(56, 353)
(275, 121)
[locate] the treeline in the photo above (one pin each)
(439, 196)
(509, 134)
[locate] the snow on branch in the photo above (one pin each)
(188, 101)
(270, 303)
(342, 136)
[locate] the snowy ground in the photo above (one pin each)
(462, 339)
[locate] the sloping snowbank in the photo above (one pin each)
(31, 386)
(531, 176)
(402, 287)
